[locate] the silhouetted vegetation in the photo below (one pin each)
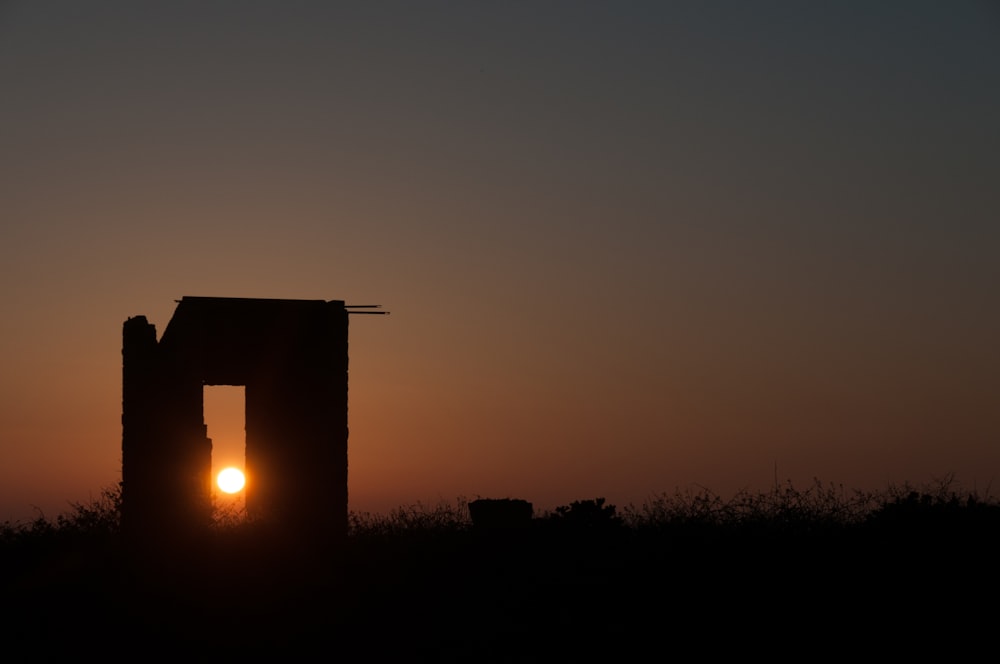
(786, 511)
(581, 578)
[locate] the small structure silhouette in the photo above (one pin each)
(291, 356)
(499, 514)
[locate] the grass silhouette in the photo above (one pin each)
(422, 582)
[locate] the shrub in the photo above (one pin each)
(587, 515)
(101, 515)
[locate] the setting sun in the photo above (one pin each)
(231, 480)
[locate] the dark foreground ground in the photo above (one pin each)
(924, 585)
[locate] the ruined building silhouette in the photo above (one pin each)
(291, 356)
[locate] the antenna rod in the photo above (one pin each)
(365, 306)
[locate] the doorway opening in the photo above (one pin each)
(224, 409)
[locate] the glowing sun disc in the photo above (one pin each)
(231, 480)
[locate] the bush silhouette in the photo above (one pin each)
(587, 515)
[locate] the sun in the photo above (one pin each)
(231, 480)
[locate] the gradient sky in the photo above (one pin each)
(627, 247)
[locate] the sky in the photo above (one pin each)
(628, 248)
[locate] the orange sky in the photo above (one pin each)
(625, 250)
